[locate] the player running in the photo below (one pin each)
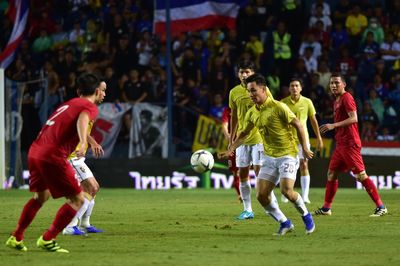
(304, 109)
(347, 154)
(50, 172)
(274, 121)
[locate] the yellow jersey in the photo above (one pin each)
(73, 155)
(240, 101)
(303, 109)
(272, 119)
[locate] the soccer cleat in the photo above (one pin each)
(284, 199)
(285, 227)
(323, 211)
(73, 231)
(309, 223)
(92, 229)
(245, 215)
(50, 245)
(18, 245)
(380, 211)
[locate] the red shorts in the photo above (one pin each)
(347, 158)
(232, 163)
(55, 174)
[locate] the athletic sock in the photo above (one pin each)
(27, 215)
(372, 191)
(300, 206)
(245, 192)
(305, 186)
(273, 210)
(79, 214)
(330, 191)
(236, 184)
(63, 217)
(85, 222)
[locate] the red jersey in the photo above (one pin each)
(346, 136)
(59, 135)
(226, 116)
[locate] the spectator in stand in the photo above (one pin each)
(113, 89)
(322, 36)
(339, 36)
(300, 72)
(282, 50)
(217, 107)
(310, 42)
(326, 9)
(218, 78)
(369, 122)
(144, 48)
(376, 29)
(324, 74)
(356, 22)
(43, 43)
(342, 10)
(369, 49)
(310, 61)
(190, 67)
(385, 135)
(76, 35)
(124, 57)
(390, 50)
(255, 47)
(376, 104)
(315, 87)
(319, 16)
(346, 65)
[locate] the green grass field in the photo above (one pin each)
(197, 227)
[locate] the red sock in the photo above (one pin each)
(330, 191)
(236, 184)
(372, 191)
(63, 217)
(27, 215)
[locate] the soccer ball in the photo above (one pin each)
(202, 161)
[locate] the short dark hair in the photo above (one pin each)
(246, 64)
(257, 78)
(297, 79)
(87, 84)
(146, 114)
(338, 75)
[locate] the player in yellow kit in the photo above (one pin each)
(275, 122)
(304, 109)
(250, 152)
(90, 187)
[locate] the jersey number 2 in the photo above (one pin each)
(51, 122)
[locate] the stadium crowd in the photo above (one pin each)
(302, 39)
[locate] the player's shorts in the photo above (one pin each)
(55, 173)
(249, 154)
(300, 154)
(273, 169)
(82, 171)
(347, 158)
(232, 162)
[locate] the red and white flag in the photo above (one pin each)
(193, 15)
(381, 148)
(18, 13)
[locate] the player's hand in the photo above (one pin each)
(224, 154)
(308, 154)
(81, 151)
(325, 128)
(97, 150)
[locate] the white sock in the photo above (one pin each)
(305, 186)
(85, 222)
(79, 214)
(245, 193)
(273, 210)
(300, 206)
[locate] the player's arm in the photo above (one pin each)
(238, 141)
(348, 121)
(234, 124)
(302, 138)
(96, 147)
(314, 124)
(225, 129)
(82, 126)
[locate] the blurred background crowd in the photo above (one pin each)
(285, 39)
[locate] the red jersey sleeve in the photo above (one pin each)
(349, 104)
(226, 115)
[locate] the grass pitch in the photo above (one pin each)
(197, 227)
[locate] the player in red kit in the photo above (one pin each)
(347, 154)
(226, 118)
(50, 172)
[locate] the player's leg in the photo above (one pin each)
(27, 215)
(235, 173)
(266, 182)
(287, 174)
(82, 172)
(305, 180)
(243, 164)
(91, 187)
